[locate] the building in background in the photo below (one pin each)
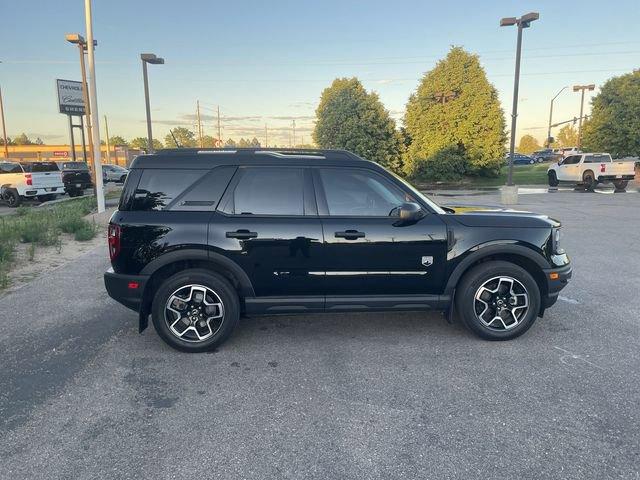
(118, 155)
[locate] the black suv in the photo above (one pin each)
(202, 237)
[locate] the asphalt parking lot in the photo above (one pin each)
(335, 396)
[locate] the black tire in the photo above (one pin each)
(73, 193)
(553, 179)
(589, 181)
(220, 286)
(620, 185)
(475, 278)
(12, 197)
(123, 178)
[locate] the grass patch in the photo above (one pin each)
(535, 174)
(43, 227)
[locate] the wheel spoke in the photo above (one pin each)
(504, 299)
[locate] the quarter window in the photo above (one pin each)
(351, 192)
(158, 187)
(269, 191)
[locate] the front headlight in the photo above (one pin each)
(556, 236)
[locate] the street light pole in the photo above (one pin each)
(581, 88)
(522, 23)
(551, 116)
(148, 58)
(4, 127)
(93, 100)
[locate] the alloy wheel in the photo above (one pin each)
(194, 313)
(501, 303)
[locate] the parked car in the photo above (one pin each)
(589, 169)
(546, 155)
(19, 181)
(202, 237)
(521, 159)
(114, 173)
(564, 152)
(76, 177)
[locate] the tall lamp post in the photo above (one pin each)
(77, 39)
(154, 60)
(4, 127)
(582, 88)
(551, 116)
(510, 194)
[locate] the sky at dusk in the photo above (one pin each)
(267, 62)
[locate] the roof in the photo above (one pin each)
(198, 158)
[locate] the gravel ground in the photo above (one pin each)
(334, 396)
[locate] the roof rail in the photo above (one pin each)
(276, 152)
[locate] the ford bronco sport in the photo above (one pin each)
(202, 237)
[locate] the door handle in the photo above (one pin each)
(350, 234)
(242, 234)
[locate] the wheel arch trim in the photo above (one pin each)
(484, 251)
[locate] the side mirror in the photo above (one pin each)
(410, 212)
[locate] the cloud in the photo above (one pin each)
(302, 105)
(294, 117)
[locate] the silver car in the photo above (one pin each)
(114, 173)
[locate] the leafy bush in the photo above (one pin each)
(446, 165)
(87, 232)
(71, 224)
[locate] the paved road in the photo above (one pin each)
(338, 396)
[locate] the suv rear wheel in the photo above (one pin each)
(195, 310)
(498, 300)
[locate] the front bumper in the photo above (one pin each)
(125, 289)
(557, 279)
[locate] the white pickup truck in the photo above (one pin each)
(589, 169)
(18, 181)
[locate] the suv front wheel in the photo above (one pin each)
(195, 310)
(498, 300)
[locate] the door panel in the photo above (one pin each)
(390, 259)
(280, 255)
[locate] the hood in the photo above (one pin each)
(484, 216)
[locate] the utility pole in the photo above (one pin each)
(94, 121)
(581, 88)
(106, 128)
(199, 122)
(4, 127)
(82, 46)
(294, 134)
(219, 134)
(548, 141)
(266, 137)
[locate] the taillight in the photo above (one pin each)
(28, 178)
(113, 238)
(603, 167)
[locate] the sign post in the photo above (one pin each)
(71, 103)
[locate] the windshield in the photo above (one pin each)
(436, 208)
(41, 167)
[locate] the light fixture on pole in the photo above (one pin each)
(549, 139)
(4, 127)
(582, 88)
(510, 194)
(154, 60)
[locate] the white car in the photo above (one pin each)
(589, 169)
(19, 181)
(566, 151)
(114, 173)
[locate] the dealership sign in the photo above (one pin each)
(70, 99)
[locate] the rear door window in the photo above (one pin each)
(42, 167)
(268, 191)
(6, 168)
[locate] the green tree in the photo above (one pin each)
(349, 117)
(566, 137)
(141, 143)
(456, 107)
(614, 126)
(255, 143)
(230, 143)
(117, 140)
(184, 136)
(22, 139)
(243, 143)
(528, 144)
